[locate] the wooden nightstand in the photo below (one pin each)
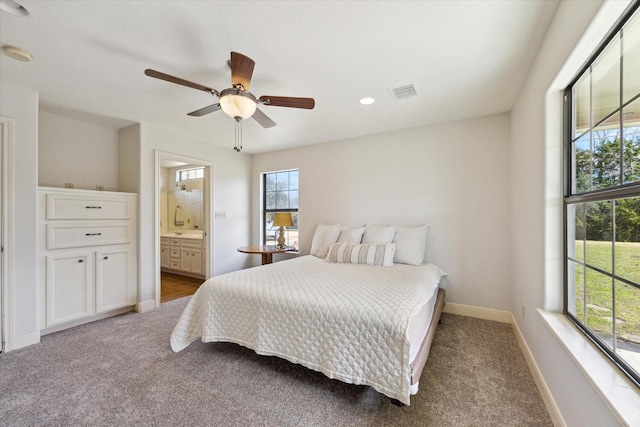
(266, 251)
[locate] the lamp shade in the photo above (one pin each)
(236, 103)
(282, 219)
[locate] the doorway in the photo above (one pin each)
(6, 220)
(184, 233)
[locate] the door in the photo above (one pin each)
(196, 261)
(69, 287)
(112, 279)
(2, 217)
(6, 221)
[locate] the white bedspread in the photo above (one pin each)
(349, 322)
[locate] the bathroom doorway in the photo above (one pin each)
(183, 218)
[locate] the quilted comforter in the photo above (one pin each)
(349, 322)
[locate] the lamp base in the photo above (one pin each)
(281, 238)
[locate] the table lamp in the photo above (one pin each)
(282, 219)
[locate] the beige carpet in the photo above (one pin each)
(121, 371)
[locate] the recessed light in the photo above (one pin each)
(367, 101)
(13, 7)
(17, 53)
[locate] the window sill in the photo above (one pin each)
(617, 391)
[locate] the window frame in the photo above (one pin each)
(266, 211)
(613, 193)
(198, 174)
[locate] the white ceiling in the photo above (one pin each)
(465, 58)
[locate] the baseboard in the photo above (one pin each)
(143, 306)
(478, 312)
(25, 340)
(545, 393)
(85, 320)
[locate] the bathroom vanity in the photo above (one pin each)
(183, 253)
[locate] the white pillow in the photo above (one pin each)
(378, 234)
(357, 253)
(351, 235)
(410, 244)
(324, 236)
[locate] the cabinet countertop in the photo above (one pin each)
(182, 236)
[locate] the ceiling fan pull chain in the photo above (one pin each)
(238, 135)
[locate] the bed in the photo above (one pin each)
(354, 322)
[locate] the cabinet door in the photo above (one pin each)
(112, 279)
(69, 287)
(185, 259)
(165, 257)
(191, 260)
(196, 261)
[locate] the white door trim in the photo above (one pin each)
(7, 142)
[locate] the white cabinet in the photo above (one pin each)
(191, 260)
(113, 267)
(183, 255)
(69, 287)
(165, 254)
(87, 256)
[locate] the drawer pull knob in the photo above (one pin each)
(80, 260)
(106, 257)
(93, 207)
(93, 234)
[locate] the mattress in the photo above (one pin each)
(420, 325)
(355, 323)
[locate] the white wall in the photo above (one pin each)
(21, 105)
(231, 183)
(77, 152)
(536, 214)
(452, 176)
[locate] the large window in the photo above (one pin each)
(280, 195)
(602, 196)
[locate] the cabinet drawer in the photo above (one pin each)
(60, 206)
(175, 252)
(61, 236)
(165, 241)
(191, 243)
(175, 264)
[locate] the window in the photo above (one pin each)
(189, 174)
(602, 196)
(280, 194)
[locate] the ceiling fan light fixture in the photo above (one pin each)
(237, 103)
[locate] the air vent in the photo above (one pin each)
(404, 92)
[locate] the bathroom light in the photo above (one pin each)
(367, 100)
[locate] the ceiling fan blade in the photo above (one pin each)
(162, 76)
(287, 101)
(206, 110)
(262, 119)
(241, 70)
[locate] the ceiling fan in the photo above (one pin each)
(237, 102)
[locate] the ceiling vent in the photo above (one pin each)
(404, 92)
